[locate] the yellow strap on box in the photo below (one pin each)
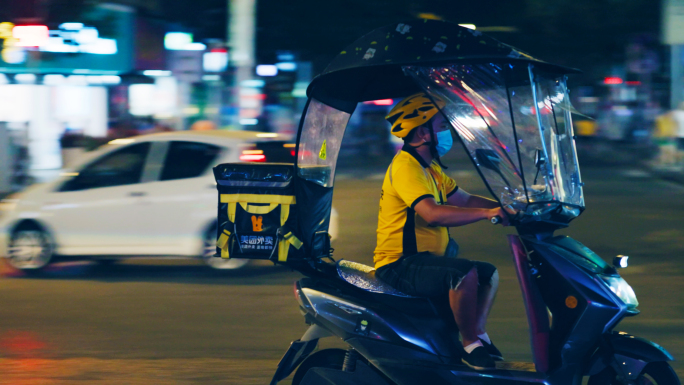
(284, 214)
(231, 211)
(246, 199)
(223, 244)
(294, 241)
(284, 246)
(258, 198)
(258, 209)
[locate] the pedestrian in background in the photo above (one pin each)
(678, 116)
(666, 127)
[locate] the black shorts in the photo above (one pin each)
(426, 275)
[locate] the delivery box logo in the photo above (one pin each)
(256, 223)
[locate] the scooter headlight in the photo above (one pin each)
(621, 289)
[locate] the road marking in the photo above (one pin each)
(635, 173)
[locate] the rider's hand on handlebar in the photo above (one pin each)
(498, 212)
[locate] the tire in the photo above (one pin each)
(326, 358)
(209, 249)
(655, 373)
(30, 248)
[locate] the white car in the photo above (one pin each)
(151, 195)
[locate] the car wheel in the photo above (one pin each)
(30, 249)
(209, 249)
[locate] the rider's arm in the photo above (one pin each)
(451, 216)
(462, 198)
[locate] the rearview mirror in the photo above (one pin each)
(539, 158)
(488, 159)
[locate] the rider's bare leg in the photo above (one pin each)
(463, 302)
(485, 300)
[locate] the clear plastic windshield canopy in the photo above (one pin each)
(319, 142)
(515, 123)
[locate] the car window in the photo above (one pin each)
(277, 151)
(188, 160)
(121, 167)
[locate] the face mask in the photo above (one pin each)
(444, 142)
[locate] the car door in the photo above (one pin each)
(101, 211)
(184, 199)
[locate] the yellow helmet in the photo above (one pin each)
(413, 111)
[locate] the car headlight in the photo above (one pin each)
(621, 289)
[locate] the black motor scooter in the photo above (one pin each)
(512, 114)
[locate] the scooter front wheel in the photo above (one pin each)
(655, 373)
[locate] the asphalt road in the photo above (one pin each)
(177, 322)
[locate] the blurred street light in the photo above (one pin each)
(266, 70)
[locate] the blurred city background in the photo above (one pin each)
(83, 81)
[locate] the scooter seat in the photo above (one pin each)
(363, 277)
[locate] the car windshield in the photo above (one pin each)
(515, 124)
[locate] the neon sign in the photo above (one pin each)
(77, 38)
(68, 38)
(30, 35)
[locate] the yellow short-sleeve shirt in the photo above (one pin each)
(408, 180)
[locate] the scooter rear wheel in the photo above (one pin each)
(655, 373)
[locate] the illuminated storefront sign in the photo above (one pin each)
(216, 60)
(74, 47)
(69, 38)
(30, 35)
(181, 41)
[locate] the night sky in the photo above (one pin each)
(588, 34)
(591, 35)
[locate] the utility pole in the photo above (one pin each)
(673, 35)
(241, 38)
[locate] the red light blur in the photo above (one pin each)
(30, 35)
(254, 96)
(292, 152)
(21, 343)
(633, 83)
(612, 80)
(381, 102)
(253, 158)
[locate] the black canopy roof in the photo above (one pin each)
(370, 68)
